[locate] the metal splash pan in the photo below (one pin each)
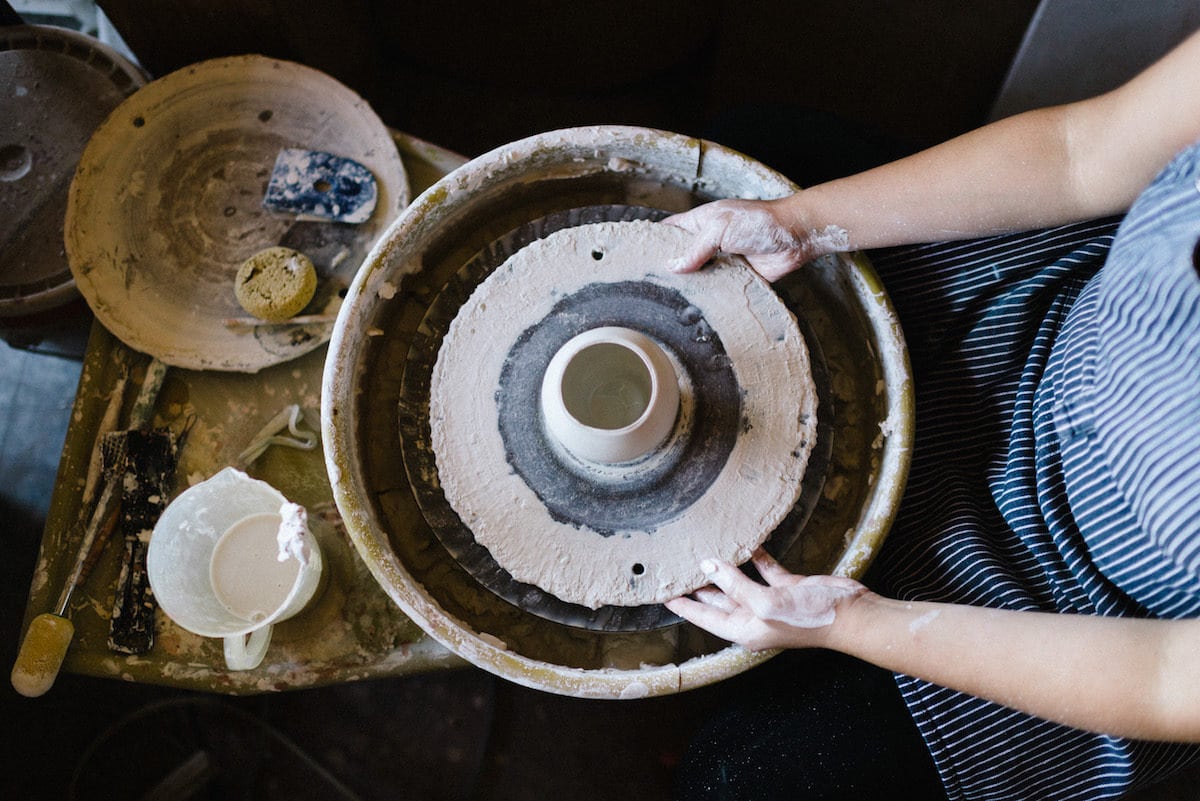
(850, 317)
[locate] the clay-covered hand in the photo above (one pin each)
(788, 611)
(762, 231)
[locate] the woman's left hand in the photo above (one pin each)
(788, 611)
(762, 231)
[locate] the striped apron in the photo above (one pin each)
(1057, 462)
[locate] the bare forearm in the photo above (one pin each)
(1042, 168)
(1013, 175)
(1120, 676)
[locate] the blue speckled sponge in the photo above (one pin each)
(318, 185)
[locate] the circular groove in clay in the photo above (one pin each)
(657, 489)
(167, 203)
(617, 561)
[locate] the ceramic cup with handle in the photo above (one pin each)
(230, 557)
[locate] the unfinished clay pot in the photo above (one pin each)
(610, 395)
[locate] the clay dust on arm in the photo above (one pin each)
(1120, 676)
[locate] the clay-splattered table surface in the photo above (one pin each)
(351, 630)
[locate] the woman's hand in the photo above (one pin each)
(789, 611)
(763, 231)
(1073, 669)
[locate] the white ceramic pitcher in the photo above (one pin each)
(218, 568)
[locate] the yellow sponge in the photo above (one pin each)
(275, 284)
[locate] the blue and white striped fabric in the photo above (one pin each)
(1057, 462)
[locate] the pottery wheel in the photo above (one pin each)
(624, 535)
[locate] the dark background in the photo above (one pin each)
(472, 76)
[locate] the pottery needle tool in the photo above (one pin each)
(50, 633)
(244, 325)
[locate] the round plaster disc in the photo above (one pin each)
(627, 536)
(167, 203)
(420, 465)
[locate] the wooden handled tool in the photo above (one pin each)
(50, 633)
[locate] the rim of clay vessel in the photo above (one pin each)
(706, 169)
(597, 431)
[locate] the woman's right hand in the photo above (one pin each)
(762, 231)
